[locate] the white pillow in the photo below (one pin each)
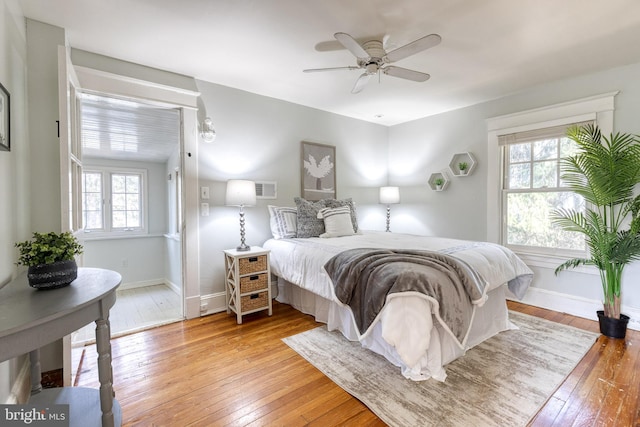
(337, 221)
(283, 221)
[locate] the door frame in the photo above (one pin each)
(186, 101)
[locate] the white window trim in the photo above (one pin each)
(108, 231)
(599, 108)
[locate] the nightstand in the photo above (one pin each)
(248, 281)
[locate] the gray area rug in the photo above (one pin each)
(501, 382)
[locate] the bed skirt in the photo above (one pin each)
(489, 320)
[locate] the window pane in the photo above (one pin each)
(529, 222)
(133, 202)
(93, 220)
(133, 184)
(545, 174)
(545, 149)
(92, 200)
(118, 202)
(520, 153)
(117, 183)
(567, 147)
(520, 176)
(92, 182)
(133, 219)
(119, 219)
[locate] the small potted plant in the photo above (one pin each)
(50, 258)
(439, 182)
(464, 168)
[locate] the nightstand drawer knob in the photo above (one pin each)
(256, 277)
(253, 259)
(254, 296)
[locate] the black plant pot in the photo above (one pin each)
(52, 276)
(612, 327)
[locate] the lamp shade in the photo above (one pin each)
(389, 195)
(240, 192)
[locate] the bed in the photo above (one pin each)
(408, 330)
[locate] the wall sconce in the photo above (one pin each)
(207, 132)
(241, 193)
(389, 196)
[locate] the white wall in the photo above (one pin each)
(258, 138)
(424, 146)
(14, 165)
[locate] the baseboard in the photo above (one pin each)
(21, 388)
(576, 306)
(213, 303)
(141, 284)
(174, 287)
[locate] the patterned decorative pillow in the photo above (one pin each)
(308, 224)
(334, 203)
(283, 221)
(337, 221)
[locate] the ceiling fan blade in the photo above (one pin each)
(414, 47)
(361, 82)
(404, 73)
(315, 70)
(352, 45)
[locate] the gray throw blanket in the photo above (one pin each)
(364, 277)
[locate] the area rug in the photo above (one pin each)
(501, 382)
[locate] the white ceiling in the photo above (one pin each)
(490, 48)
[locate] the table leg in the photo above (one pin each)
(36, 375)
(105, 372)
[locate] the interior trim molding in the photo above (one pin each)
(21, 388)
(574, 305)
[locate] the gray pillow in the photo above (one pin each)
(333, 203)
(308, 223)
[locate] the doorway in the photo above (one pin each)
(131, 207)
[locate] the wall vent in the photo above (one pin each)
(266, 189)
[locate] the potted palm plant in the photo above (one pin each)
(50, 258)
(604, 171)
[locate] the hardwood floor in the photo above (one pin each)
(211, 371)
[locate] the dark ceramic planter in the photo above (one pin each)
(52, 276)
(612, 327)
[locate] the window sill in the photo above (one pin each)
(551, 262)
(117, 236)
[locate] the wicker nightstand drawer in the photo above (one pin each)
(255, 301)
(253, 283)
(252, 264)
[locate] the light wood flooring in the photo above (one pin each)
(135, 310)
(210, 371)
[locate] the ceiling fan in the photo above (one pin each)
(373, 58)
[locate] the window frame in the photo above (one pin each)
(597, 108)
(107, 206)
(504, 212)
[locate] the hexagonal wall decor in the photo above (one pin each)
(438, 176)
(454, 164)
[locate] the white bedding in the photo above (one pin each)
(404, 331)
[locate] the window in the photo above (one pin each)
(532, 189)
(113, 200)
(501, 132)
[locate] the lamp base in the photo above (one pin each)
(243, 248)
